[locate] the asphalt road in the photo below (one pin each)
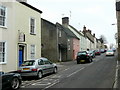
(98, 74)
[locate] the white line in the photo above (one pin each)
(116, 76)
(51, 85)
(66, 69)
(75, 72)
(40, 83)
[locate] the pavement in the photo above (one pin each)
(117, 76)
(118, 73)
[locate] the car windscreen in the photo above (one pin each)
(28, 63)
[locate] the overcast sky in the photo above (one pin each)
(96, 15)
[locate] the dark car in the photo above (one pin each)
(83, 57)
(97, 52)
(91, 53)
(102, 50)
(10, 81)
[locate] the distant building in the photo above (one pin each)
(90, 38)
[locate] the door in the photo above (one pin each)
(21, 55)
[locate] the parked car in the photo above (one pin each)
(10, 80)
(83, 57)
(109, 53)
(37, 67)
(114, 49)
(97, 52)
(102, 50)
(91, 53)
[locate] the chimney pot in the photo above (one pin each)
(65, 21)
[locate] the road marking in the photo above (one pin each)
(41, 83)
(75, 72)
(66, 69)
(56, 76)
(57, 81)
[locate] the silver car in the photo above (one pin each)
(37, 67)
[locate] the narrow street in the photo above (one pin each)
(98, 74)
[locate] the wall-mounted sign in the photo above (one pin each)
(21, 37)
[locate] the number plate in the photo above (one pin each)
(26, 69)
(82, 60)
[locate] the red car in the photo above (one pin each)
(97, 52)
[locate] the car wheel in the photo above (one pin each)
(55, 70)
(15, 83)
(78, 62)
(39, 75)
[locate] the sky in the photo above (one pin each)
(96, 15)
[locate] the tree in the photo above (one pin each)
(111, 45)
(103, 38)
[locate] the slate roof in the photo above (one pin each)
(76, 30)
(30, 6)
(66, 30)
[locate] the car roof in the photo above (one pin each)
(81, 51)
(38, 59)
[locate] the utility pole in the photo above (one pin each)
(118, 25)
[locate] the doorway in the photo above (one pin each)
(21, 54)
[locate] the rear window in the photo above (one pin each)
(81, 53)
(90, 52)
(109, 51)
(28, 63)
(97, 51)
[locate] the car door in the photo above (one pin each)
(48, 65)
(42, 66)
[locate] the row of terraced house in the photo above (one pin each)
(24, 35)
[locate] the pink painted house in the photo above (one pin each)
(76, 47)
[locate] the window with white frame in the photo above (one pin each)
(32, 26)
(2, 52)
(68, 47)
(32, 53)
(2, 16)
(60, 33)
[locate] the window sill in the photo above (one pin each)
(4, 27)
(3, 63)
(32, 34)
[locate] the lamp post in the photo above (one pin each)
(118, 25)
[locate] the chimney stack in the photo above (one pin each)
(84, 28)
(89, 31)
(65, 21)
(94, 35)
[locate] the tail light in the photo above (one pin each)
(34, 69)
(87, 55)
(19, 70)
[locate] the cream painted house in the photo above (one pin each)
(20, 34)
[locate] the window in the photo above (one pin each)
(68, 47)
(47, 62)
(32, 26)
(40, 62)
(32, 52)
(60, 33)
(2, 52)
(2, 16)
